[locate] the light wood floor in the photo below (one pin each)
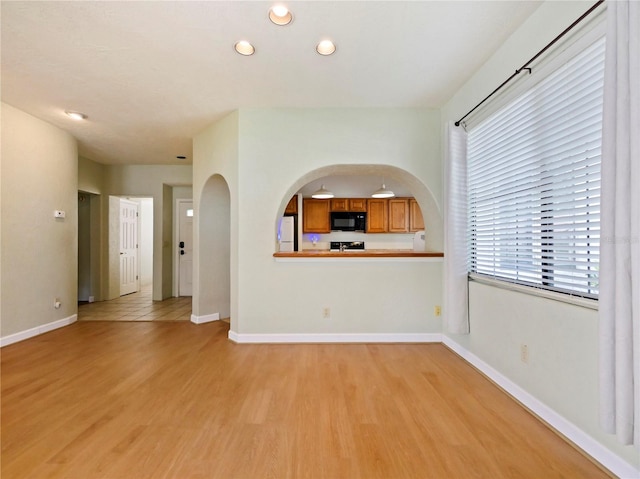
(178, 400)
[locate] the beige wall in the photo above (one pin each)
(146, 241)
(91, 176)
(39, 252)
(562, 339)
(275, 149)
(215, 193)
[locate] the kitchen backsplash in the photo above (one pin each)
(372, 241)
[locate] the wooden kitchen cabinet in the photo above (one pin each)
(315, 216)
(358, 204)
(377, 215)
(292, 206)
(398, 215)
(349, 204)
(339, 204)
(416, 220)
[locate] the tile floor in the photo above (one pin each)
(137, 307)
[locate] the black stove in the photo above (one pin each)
(346, 245)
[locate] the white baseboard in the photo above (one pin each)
(30, 333)
(207, 318)
(590, 446)
(243, 338)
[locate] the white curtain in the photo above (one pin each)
(456, 285)
(620, 223)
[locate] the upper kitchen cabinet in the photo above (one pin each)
(339, 204)
(398, 215)
(416, 220)
(358, 204)
(315, 216)
(349, 204)
(377, 216)
(292, 206)
(394, 215)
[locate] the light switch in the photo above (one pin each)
(59, 214)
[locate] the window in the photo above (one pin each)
(534, 182)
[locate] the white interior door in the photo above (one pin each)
(128, 247)
(185, 248)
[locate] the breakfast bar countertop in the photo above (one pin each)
(369, 253)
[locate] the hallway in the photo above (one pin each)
(137, 307)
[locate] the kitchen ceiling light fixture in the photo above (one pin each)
(322, 194)
(280, 15)
(245, 48)
(383, 193)
(326, 47)
(76, 115)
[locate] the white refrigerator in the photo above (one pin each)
(286, 234)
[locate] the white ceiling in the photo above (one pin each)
(150, 75)
(344, 186)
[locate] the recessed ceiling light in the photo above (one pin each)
(76, 115)
(280, 15)
(325, 47)
(243, 47)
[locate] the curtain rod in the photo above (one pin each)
(526, 65)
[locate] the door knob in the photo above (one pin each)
(181, 244)
(181, 251)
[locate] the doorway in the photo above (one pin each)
(89, 227)
(184, 252)
(213, 254)
(132, 262)
(129, 278)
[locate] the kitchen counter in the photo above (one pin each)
(316, 254)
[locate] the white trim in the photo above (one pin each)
(259, 338)
(38, 330)
(534, 291)
(352, 259)
(589, 445)
(207, 318)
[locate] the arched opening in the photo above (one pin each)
(213, 281)
(392, 176)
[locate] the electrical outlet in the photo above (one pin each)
(524, 353)
(326, 313)
(437, 311)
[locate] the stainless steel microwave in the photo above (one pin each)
(348, 221)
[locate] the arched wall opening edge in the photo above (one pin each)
(212, 278)
(434, 227)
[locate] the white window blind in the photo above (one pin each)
(534, 182)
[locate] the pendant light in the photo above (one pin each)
(383, 193)
(322, 194)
